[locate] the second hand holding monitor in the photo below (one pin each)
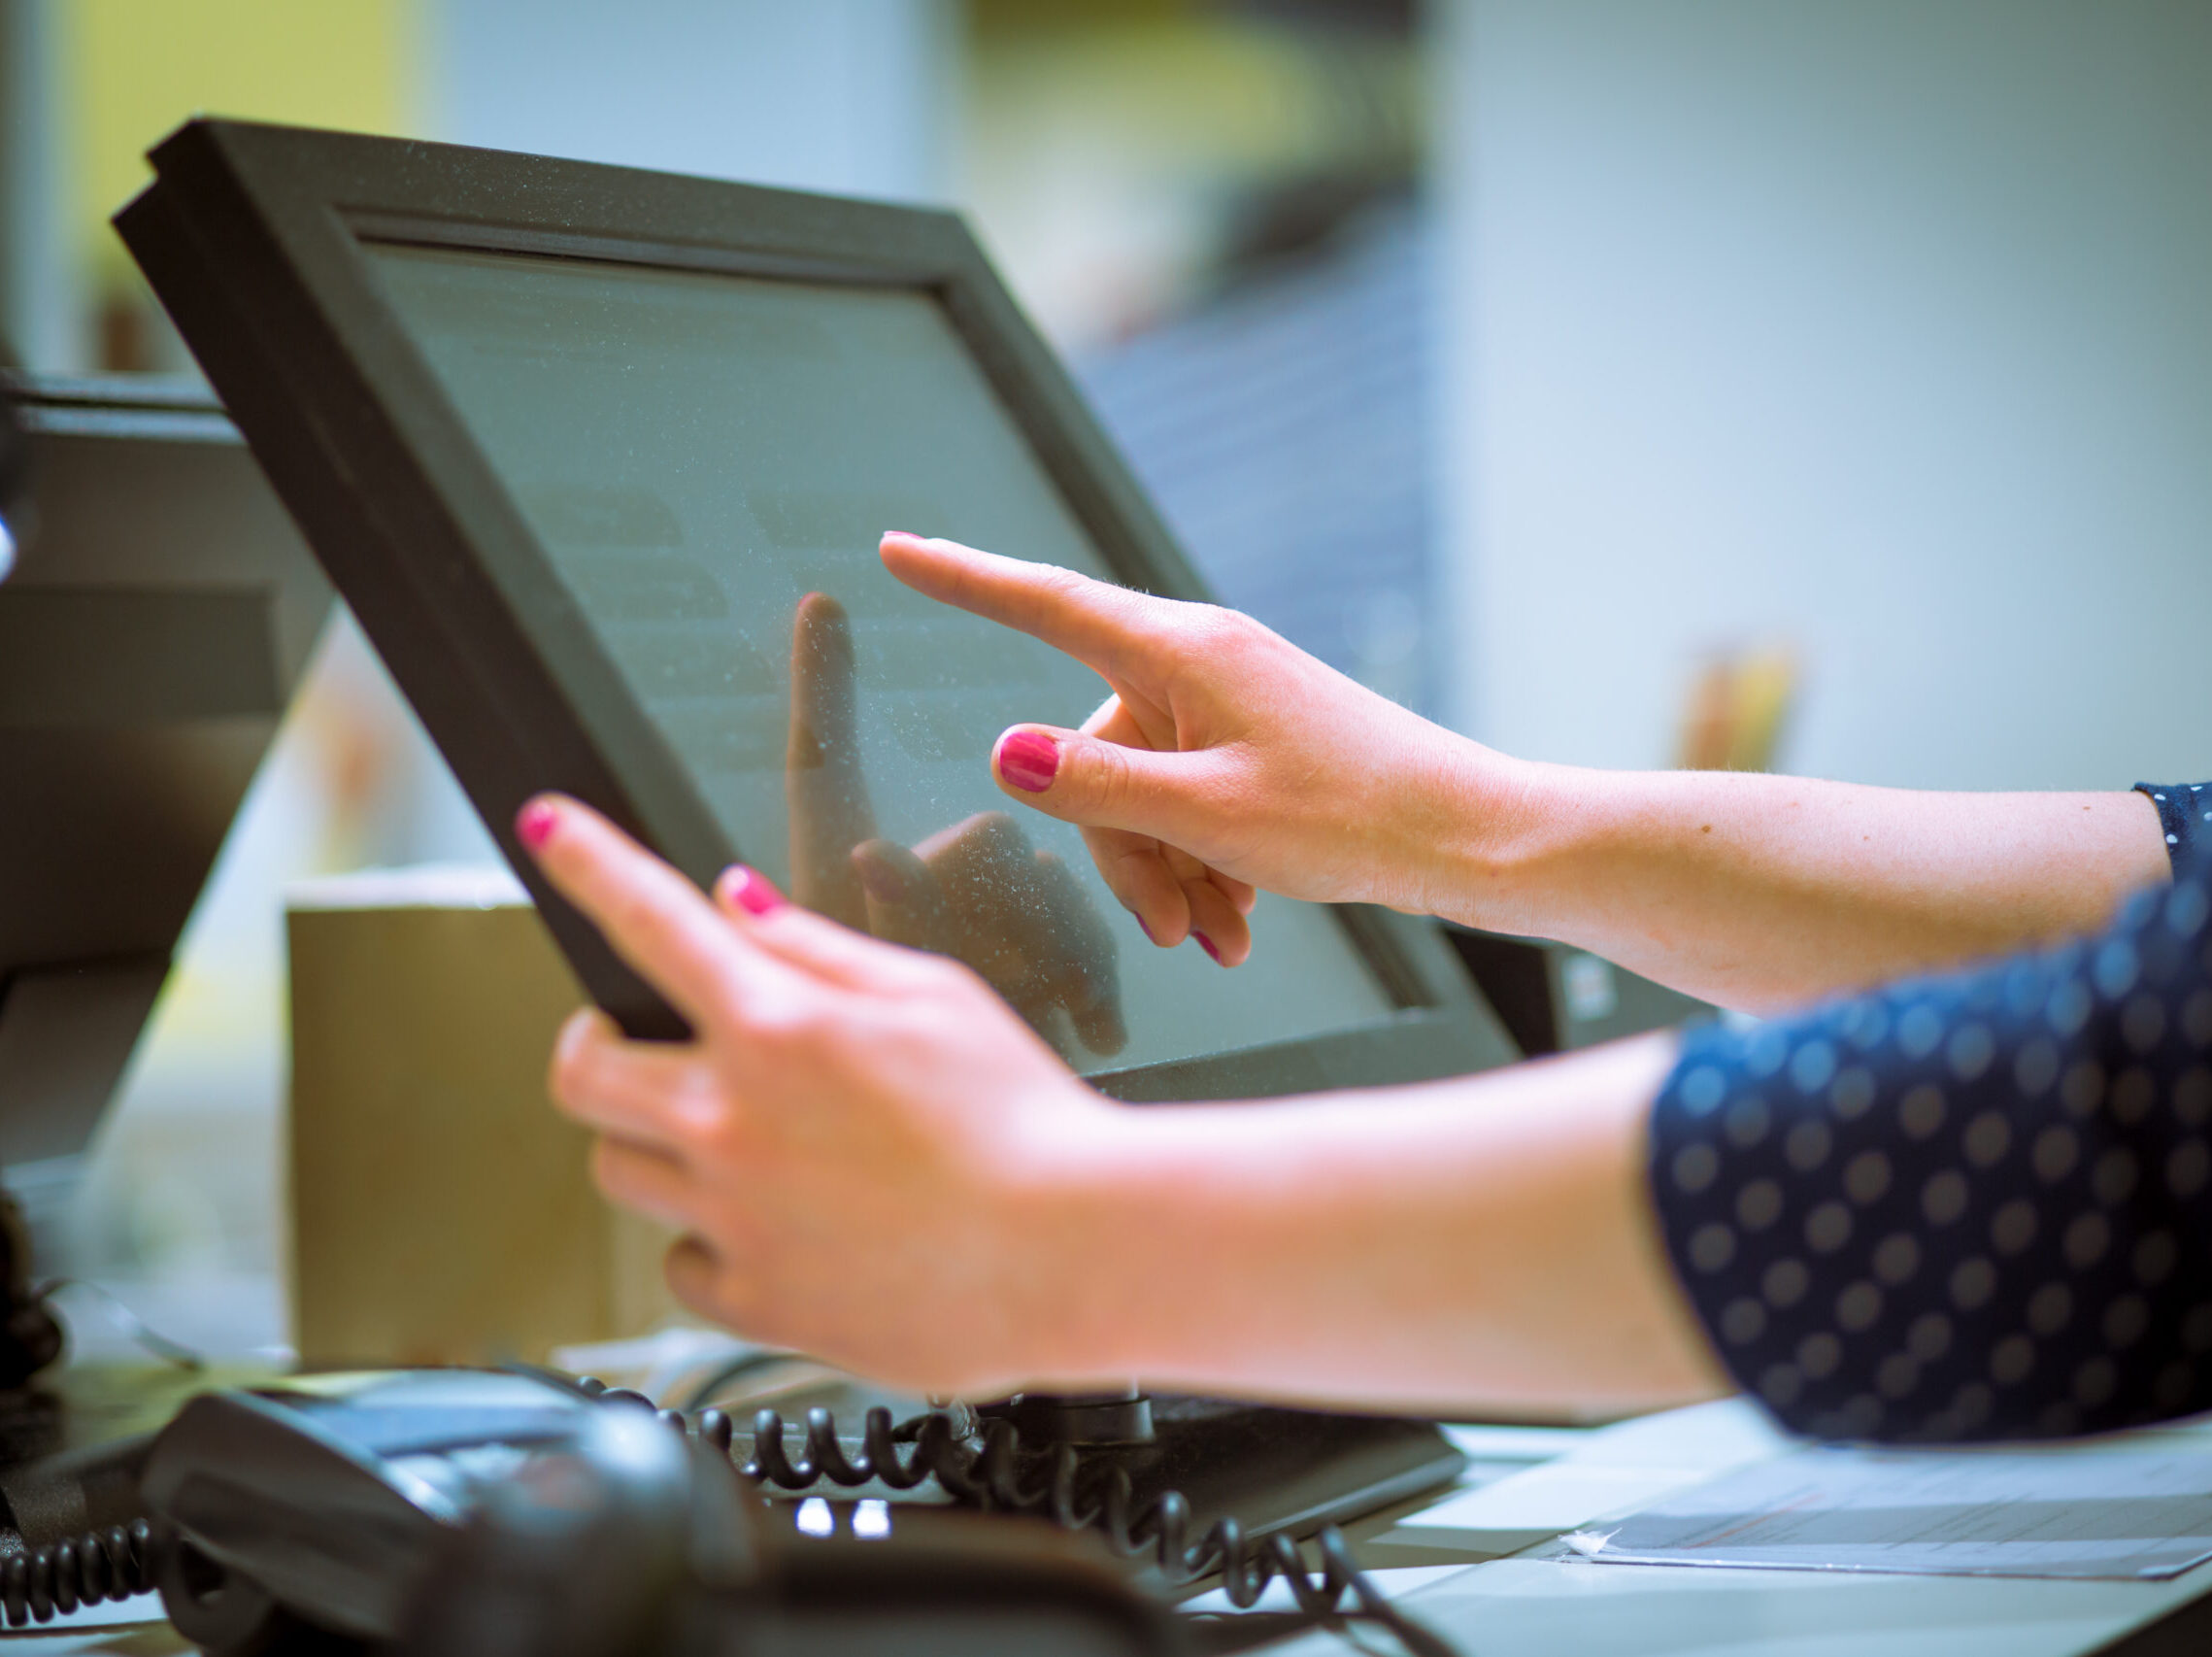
(600, 458)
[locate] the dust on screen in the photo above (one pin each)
(708, 461)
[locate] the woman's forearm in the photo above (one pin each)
(1761, 891)
(1484, 1242)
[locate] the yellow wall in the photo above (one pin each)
(133, 69)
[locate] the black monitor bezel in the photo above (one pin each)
(253, 237)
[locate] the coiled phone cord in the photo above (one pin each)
(111, 1564)
(991, 1477)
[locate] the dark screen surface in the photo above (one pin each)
(707, 461)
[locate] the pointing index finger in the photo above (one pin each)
(656, 921)
(1106, 627)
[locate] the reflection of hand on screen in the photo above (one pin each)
(976, 891)
(979, 891)
(824, 792)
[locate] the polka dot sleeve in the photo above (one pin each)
(1976, 1205)
(2185, 813)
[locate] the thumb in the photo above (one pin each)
(1084, 780)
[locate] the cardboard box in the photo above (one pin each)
(441, 1210)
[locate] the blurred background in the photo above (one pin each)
(1624, 382)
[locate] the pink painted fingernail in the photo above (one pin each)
(1147, 930)
(751, 890)
(1207, 944)
(1029, 759)
(535, 823)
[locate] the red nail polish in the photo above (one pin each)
(1029, 759)
(751, 891)
(1207, 944)
(535, 823)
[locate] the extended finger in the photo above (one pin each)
(812, 943)
(654, 917)
(648, 1181)
(1118, 632)
(650, 1091)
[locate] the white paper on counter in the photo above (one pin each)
(2141, 1509)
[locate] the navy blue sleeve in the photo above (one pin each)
(2185, 813)
(1977, 1205)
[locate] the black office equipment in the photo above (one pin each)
(577, 441)
(600, 457)
(158, 610)
(159, 613)
(1554, 998)
(433, 1513)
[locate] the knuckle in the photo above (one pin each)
(635, 915)
(708, 1134)
(791, 1026)
(1109, 781)
(607, 1169)
(567, 1076)
(575, 1068)
(1210, 627)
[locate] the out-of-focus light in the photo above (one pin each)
(872, 1519)
(7, 549)
(815, 1518)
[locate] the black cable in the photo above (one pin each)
(118, 1562)
(984, 1471)
(736, 1368)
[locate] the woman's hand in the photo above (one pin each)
(876, 1163)
(1225, 759)
(869, 1154)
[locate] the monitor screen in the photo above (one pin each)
(707, 461)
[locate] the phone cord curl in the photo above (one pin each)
(989, 1476)
(111, 1564)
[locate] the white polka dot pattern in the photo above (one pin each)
(2185, 812)
(1977, 1205)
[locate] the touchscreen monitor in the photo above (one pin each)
(621, 451)
(708, 461)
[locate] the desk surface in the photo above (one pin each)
(1525, 1488)
(1546, 1598)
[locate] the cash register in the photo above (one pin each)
(158, 613)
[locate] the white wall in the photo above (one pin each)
(1883, 327)
(850, 95)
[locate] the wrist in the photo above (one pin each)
(1135, 1246)
(1076, 1214)
(1489, 825)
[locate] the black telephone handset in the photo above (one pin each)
(437, 1514)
